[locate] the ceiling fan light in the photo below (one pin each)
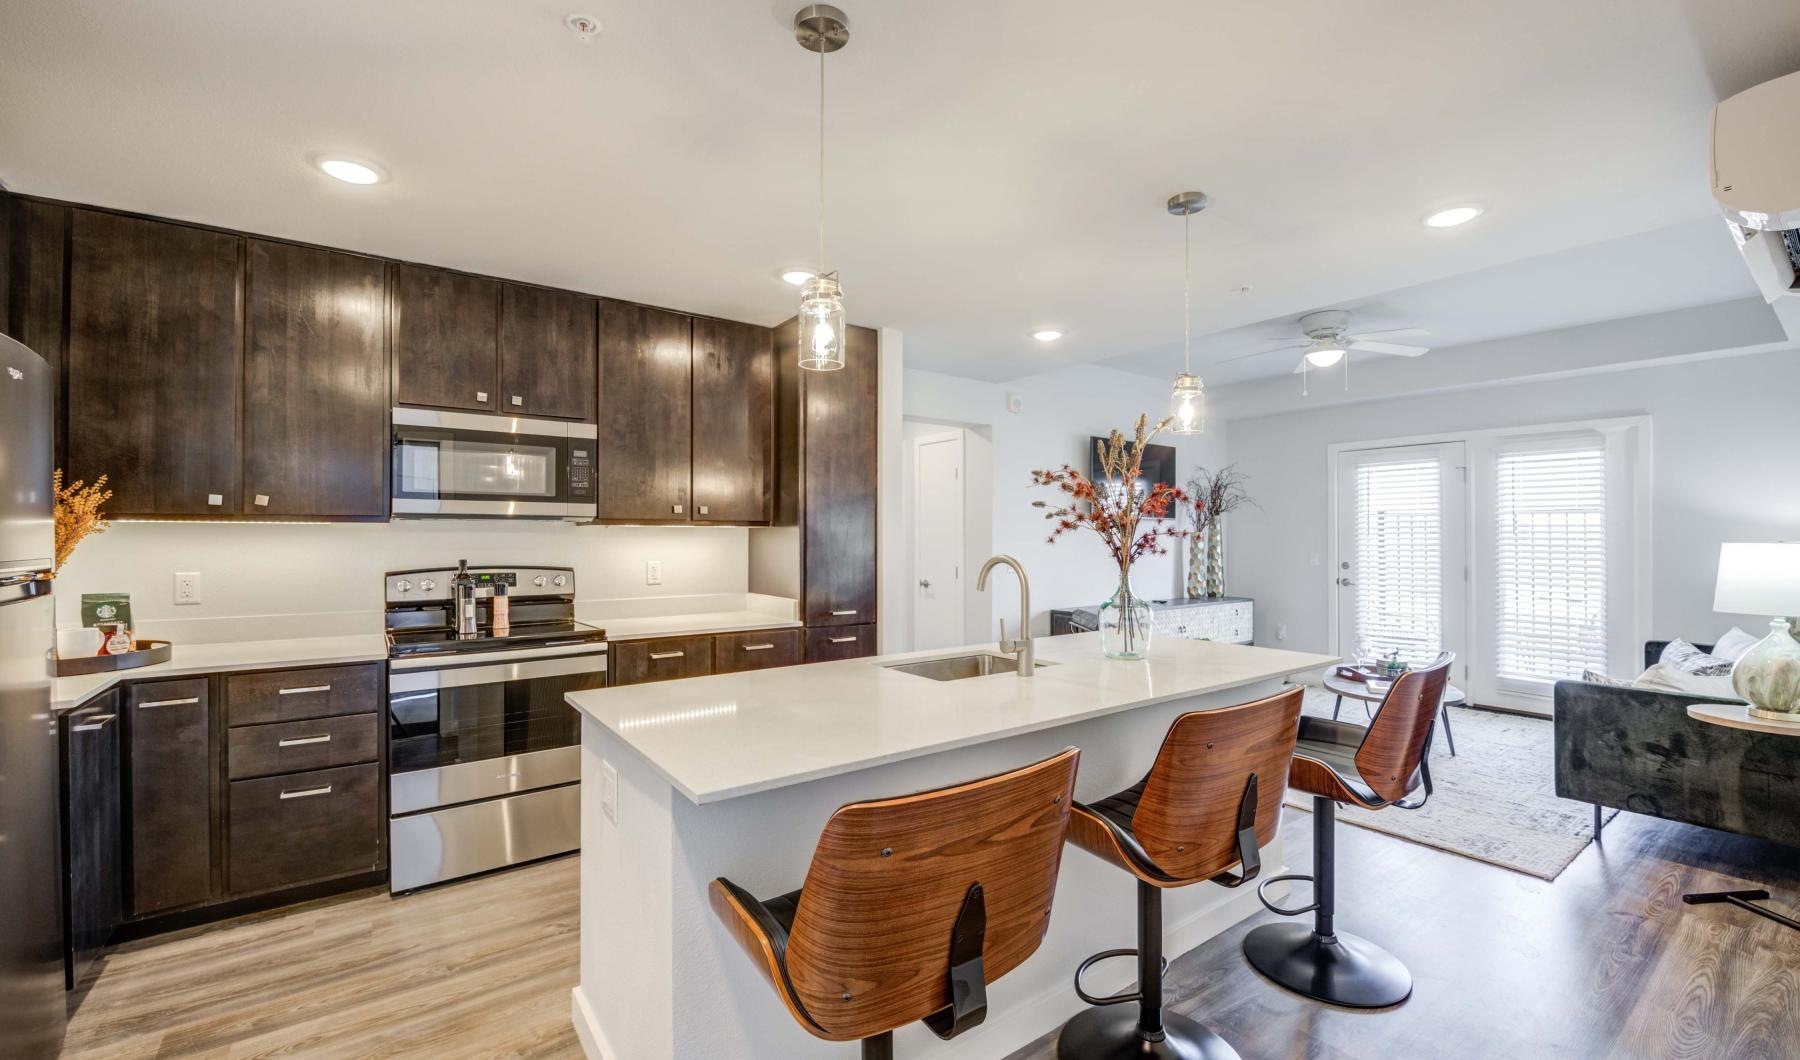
(1324, 354)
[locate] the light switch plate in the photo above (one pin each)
(609, 791)
(187, 587)
(653, 572)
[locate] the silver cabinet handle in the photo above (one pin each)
(703, 509)
(758, 647)
(303, 690)
(262, 500)
(667, 654)
(480, 395)
(517, 400)
(99, 722)
(297, 741)
(306, 793)
(675, 509)
(842, 640)
(215, 499)
(843, 612)
(169, 702)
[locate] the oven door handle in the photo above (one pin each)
(496, 673)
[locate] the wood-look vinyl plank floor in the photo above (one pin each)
(1605, 962)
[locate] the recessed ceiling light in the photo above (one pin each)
(796, 277)
(1047, 335)
(1455, 215)
(351, 172)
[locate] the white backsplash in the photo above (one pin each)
(277, 580)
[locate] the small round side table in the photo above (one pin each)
(1374, 690)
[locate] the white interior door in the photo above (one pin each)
(938, 541)
(1401, 574)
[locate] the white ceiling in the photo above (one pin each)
(986, 179)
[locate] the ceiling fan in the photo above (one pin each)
(1328, 341)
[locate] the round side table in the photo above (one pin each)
(1375, 690)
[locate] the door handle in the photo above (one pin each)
(834, 613)
(1345, 582)
(99, 722)
(924, 583)
(169, 702)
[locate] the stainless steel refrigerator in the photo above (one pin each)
(31, 944)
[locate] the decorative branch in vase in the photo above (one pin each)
(77, 514)
(1117, 510)
(1211, 497)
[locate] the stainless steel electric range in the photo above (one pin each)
(484, 754)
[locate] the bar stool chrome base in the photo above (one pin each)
(1343, 969)
(1112, 1034)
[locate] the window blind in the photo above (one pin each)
(1399, 559)
(1550, 553)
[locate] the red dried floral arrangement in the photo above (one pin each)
(1116, 514)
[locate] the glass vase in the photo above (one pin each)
(1215, 559)
(1125, 622)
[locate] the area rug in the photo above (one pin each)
(1495, 801)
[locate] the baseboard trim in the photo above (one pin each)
(587, 1030)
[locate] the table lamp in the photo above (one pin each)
(1764, 579)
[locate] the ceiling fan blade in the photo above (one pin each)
(1391, 333)
(1394, 348)
(1259, 353)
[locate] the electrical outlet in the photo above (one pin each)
(609, 791)
(187, 587)
(653, 572)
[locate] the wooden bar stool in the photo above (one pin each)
(1212, 798)
(1373, 767)
(912, 906)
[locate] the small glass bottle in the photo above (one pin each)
(501, 610)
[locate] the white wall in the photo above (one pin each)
(1725, 467)
(332, 571)
(1062, 410)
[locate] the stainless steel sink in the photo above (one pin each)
(957, 667)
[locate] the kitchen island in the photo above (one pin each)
(734, 775)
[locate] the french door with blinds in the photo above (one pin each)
(1401, 576)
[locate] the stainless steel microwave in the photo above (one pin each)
(475, 464)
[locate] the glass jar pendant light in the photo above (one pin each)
(821, 28)
(1187, 397)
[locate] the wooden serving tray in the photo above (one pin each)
(145, 653)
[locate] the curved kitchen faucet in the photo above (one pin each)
(1020, 648)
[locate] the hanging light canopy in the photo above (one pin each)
(821, 28)
(1187, 397)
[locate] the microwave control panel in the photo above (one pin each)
(581, 472)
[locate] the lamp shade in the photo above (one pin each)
(1759, 579)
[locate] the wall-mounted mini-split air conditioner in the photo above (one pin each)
(1756, 179)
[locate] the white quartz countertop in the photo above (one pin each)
(695, 625)
(720, 737)
(187, 660)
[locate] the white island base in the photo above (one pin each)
(736, 775)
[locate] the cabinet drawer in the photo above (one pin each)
(292, 746)
(839, 642)
(757, 650)
(666, 658)
(302, 827)
(294, 695)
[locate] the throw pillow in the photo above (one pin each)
(1734, 644)
(1682, 656)
(1595, 677)
(1665, 678)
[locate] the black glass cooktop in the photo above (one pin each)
(438, 640)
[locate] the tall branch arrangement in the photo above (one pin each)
(1212, 495)
(1117, 515)
(77, 513)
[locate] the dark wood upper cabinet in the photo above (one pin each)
(153, 363)
(838, 469)
(734, 422)
(170, 762)
(35, 249)
(547, 352)
(315, 384)
(646, 372)
(446, 342)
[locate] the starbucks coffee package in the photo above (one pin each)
(106, 609)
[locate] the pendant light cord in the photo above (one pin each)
(821, 159)
(1187, 285)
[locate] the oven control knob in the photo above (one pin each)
(559, 581)
(538, 581)
(403, 586)
(427, 585)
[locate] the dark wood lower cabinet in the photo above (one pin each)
(762, 649)
(635, 662)
(93, 840)
(830, 643)
(169, 730)
(296, 746)
(294, 829)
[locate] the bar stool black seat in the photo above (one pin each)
(911, 906)
(1374, 767)
(1212, 798)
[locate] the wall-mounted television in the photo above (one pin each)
(1158, 466)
